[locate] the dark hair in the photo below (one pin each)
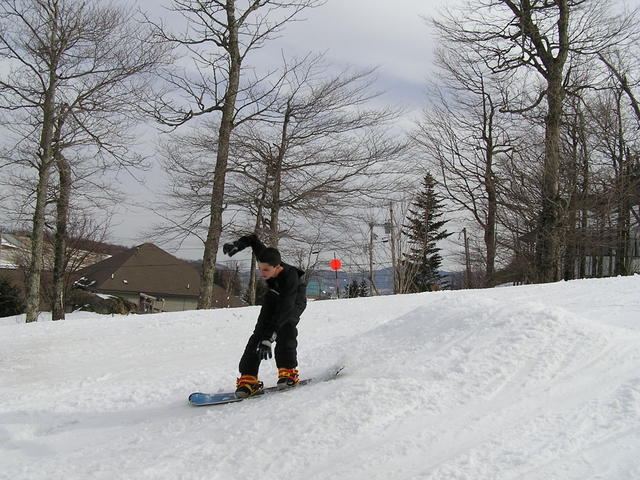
(271, 256)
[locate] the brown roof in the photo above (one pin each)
(145, 268)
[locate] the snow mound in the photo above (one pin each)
(525, 389)
(539, 382)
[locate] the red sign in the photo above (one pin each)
(335, 264)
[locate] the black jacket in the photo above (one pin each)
(286, 298)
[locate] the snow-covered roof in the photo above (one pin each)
(8, 240)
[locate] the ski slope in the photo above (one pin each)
(532, 382)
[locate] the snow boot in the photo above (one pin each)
(247, 386)
(287, 378)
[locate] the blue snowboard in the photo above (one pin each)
(199, 399)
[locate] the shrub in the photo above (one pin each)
(10, 299)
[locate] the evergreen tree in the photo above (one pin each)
(363, 289)
(10, 301)
(352, 290)
(355, 289)
(424, 229)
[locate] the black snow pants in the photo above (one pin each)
(286, 350)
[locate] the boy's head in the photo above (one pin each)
(269, 263)
(271, 256)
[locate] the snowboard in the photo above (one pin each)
(200, 399)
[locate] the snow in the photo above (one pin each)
(531, 382)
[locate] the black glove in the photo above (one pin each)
(230, 248)
(234, 247)
(264, 349)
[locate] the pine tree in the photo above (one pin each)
(351, 291)
(363, 289)
(424, 229)
(355, 289)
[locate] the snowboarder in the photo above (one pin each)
(279, 316)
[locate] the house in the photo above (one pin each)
(13, 251)
(153, 279)
(14, 256)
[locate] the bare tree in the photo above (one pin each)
(597, 181)
(621, 62)
(463, 131)
(221, 34)
(31, 37)
(616, 138)
(540, 36)
(81, 231)
(313, 156)
(320, 149)
(76, 68)
(577, 175)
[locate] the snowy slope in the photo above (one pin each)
(536, 382)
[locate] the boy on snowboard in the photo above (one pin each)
(280, 313)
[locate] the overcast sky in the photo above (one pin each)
(390, 35)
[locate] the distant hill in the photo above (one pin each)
(324, 281)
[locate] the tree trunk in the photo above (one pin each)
(550, 223)
(571, 250)
(37, 232)
(623, 220)
(492, 209)
(60, 252)
(572, 176)
(252, 272)
(582, 246)
(548, 244)
(205, 300)
(584, 190)
(622, 240)
(392, 237)
(37, 243)
(277, 181)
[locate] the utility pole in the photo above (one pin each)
(467, 280)
(393, 248)
(371, 257)
(337, 281)
(374, 289)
